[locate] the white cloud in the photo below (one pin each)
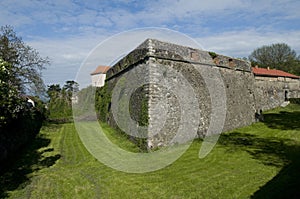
(119, 45)
(69, 15)
(242, 43)
(241, 26)
(66, 55)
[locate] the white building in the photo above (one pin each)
(99, 75)
(74, 99)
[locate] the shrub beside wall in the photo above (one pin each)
(18, 133)
(294, 100)
(60, 110)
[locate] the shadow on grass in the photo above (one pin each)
(283, 120)
(17, 173)
(286, 184)
(270, 151)
(282, 153)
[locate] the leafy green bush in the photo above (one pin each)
(19, 131)
(213, 54)
(60, 108)
(10, 102)
(294, 100)
(60, 103)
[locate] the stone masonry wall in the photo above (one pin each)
(136, 104)
(271, 93)
(173, 74)
(239, 98)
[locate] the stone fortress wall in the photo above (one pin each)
(271, 92)
(216, 82)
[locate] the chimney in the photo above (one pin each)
(268, 68)
(256, 66)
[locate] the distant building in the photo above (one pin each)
(99, 75)
(274, 86)
(273, 75)
(74, 99)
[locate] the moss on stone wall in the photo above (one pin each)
(239, 93)
(213, 54)
(103, 103)
(138, 106)
(138, 109)
(144, 116)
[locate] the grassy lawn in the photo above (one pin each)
(258, 161)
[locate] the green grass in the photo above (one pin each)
(118, 138)
(258, 161)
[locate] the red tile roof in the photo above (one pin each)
(100, 70)
(272, 72)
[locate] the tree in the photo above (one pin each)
(26, 62)
(10, 102)
(60, 104)
(70, 87)
(53, 90)
(279, 56)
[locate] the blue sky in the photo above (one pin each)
(67, 30)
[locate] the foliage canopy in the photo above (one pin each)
(60, 104)
(26, 62)
(279, 56)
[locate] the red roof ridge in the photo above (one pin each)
(272, 72)
(100, 70)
